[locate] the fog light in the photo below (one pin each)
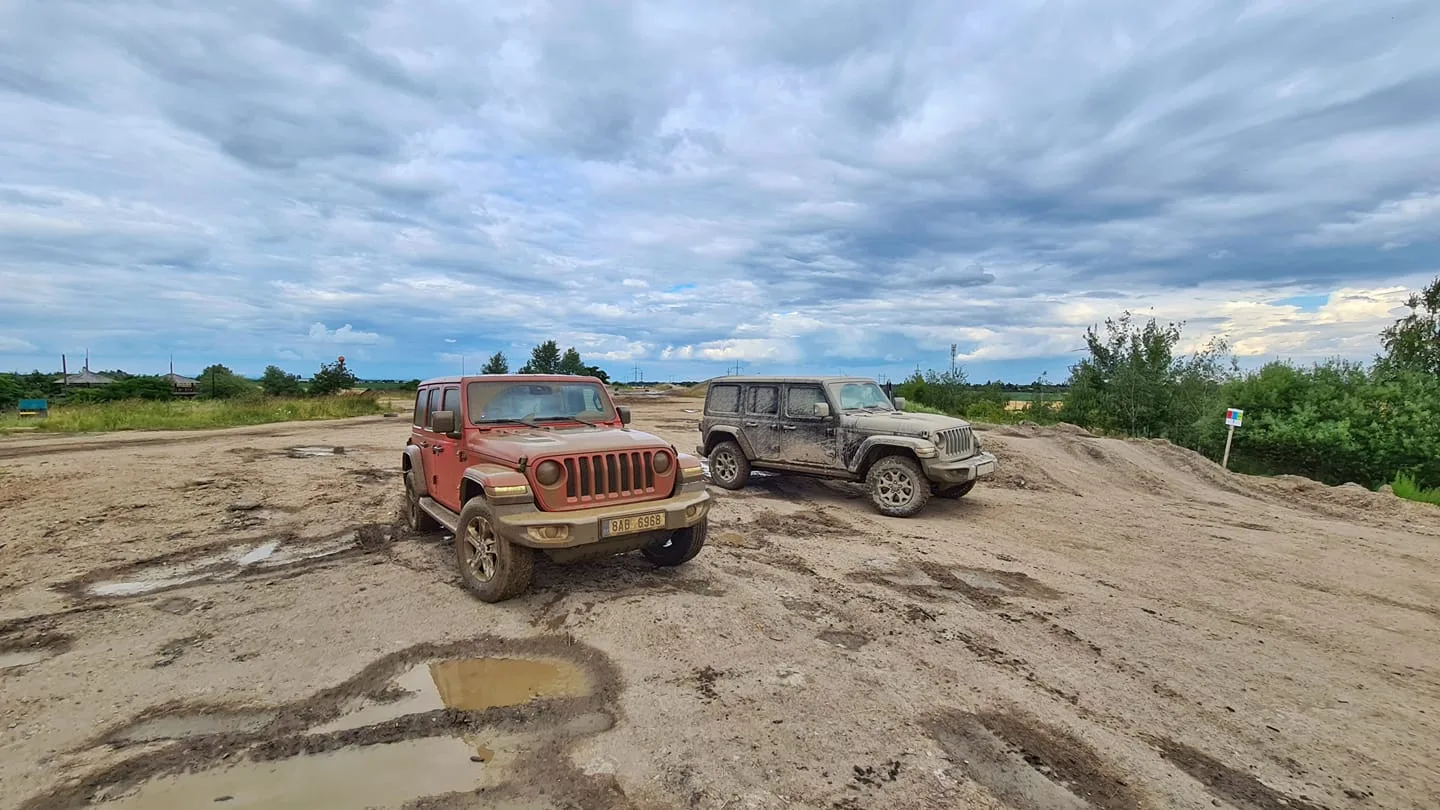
(549, 534)
(696, 510)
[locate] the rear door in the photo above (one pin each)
(762, 420)
(806, 437)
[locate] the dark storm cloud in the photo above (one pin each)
(690, 183)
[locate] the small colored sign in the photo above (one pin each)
(1234, 416)
(33, 407)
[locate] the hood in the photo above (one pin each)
(512, 445)
(899, 423)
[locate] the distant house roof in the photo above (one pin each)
(181, 381)
(84, 377)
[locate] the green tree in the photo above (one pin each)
(10, 390)
(497, 364)
(219, 382)
(544, 359)
(1413, 342)
(596, 372)
(276, 382)
(571, 363)
(332, 378)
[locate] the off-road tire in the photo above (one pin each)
(957, 491)
(416, 519)
(898, 488)
(510, 566)
(679, 547)
(729, 468)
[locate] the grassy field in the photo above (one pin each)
(1405, 487)
(190, 414)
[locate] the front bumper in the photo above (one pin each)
(525, 525)
(958, 471)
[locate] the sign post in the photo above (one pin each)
(1233, 418)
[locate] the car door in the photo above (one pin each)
(446, 451)
(807, 427)
(762, 421)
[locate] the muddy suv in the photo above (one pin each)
(515, 465)
(838, 427)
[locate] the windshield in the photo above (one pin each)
(516, 401)
(858, 395)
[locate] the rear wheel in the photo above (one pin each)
(729, 468)
(492, 567)
(679, 547)
(956, 492)
(416, 520)
(897, 486)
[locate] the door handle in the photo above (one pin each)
(787, 427)
(752, 424)
(438, 449)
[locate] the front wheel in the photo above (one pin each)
(897, 486)
(956, 492)
(492, 567)
(680, 546)
(729, 468)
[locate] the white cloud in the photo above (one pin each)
(342, 336)
(13, 345)
(1388, 224)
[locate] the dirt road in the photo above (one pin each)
(230, 617)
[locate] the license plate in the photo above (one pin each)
(984, 468)
(636, 523)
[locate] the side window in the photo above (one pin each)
(763, 399)
(723, 399)
(451, 403)
(800, 401)
(435, 399)
(422, 408)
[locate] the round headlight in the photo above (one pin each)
(662, 462)
(548, 473)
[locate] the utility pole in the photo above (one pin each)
(952, 359)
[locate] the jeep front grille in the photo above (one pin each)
(957, 442)
(597, 479)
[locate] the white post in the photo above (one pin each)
(1229, 437)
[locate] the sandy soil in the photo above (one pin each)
(1108, 624)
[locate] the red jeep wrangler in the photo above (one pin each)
(519, 463)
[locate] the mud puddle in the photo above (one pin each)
(467, 684)
(314, 452)
(381, 775)
(232, 562)
(17, 659)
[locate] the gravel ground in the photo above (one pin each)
(199, 617)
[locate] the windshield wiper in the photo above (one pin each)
(568, 419)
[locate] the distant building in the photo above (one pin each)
(181, 385)
(85, 378)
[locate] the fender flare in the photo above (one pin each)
(492, 481)
(911, 443)
(412, 461)
(733, 433)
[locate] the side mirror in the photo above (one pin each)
(822, 410)
(899, 403)
(623, 411)
(443, 422)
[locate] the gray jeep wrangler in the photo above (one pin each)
(838, 427)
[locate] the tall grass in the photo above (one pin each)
(1406, 487)
(193, 414)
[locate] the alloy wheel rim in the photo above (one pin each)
(481, 557)
(895, 487)
(726, 467)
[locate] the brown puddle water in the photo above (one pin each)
(386, 775)
(469, 684)
(379, 776)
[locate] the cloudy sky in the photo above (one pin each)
(799, 186)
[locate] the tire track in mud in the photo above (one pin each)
(207, 738)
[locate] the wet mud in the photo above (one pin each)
(1240, 789)
(23, 645)
(533, 698)
(225, 561)
(1032, 766)
(982, 587)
